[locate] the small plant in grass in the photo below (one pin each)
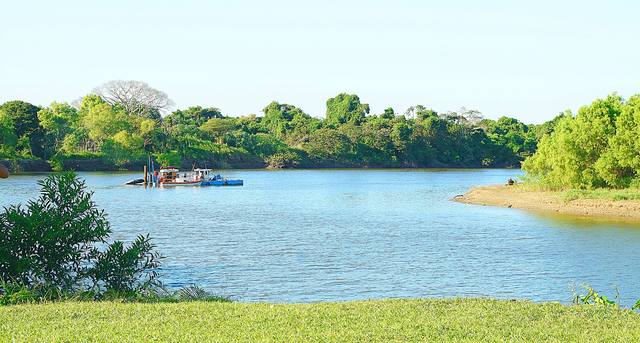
(184, 294)
(592, 297)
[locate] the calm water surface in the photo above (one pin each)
(320, 235)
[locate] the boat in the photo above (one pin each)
(172, 176)
(135, 182)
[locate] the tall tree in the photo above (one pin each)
(569, 157)
(388, 113)
(135, 97)
(26, 124)
(286, 120)
(57, 120)
(346, 108)
(192, 116)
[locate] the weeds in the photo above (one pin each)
(607, 194)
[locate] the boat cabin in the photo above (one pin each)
(168, 174)
(202, 174)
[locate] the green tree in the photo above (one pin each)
(513, 139)
(388, 113)
(24, 117)
(8, 138)
(328, 145)
(619, 165)
(192, 116)
(123, 148)
(420, 112)
(346, 108)
(102, 121)
(216, 128)
(285, 119)
(568, 158)
(57, 120)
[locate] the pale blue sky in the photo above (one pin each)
(528, 59)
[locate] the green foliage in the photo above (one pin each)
(284, 119)
(388, 113)
(329, 145)
(123, 148)
(185, 294)
(57, 120)
(169, 158)
(57, 245)
(603, 193)
(24, 119)
(282, 160)
(592, 297)
(285, 137)
(8, 137)
(121, 268)
(596, 148)
(192, 116)
(511, 134)
(346, 108)
(216, 128)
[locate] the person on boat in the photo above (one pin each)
(155, 177)
(4, 172)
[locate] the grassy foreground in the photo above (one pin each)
(385, 320)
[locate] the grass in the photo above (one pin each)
(607, 194)
(472, 320)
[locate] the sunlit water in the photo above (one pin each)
(324, 235)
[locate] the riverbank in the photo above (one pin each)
(238, 162)
(476, 320)
(550, 202)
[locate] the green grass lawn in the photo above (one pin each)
(457, 320)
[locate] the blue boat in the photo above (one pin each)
(218, 180)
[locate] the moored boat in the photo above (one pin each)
(171, 176)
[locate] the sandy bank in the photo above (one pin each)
(551, 202)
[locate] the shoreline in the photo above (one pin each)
(551, 203)
(100, 165)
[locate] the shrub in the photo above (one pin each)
(283, 160)
(57, 245)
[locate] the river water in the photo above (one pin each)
(331, 235)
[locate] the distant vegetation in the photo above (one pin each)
(597, 148)
(123, 122)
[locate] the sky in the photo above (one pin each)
(529, 60)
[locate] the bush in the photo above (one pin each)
(57, 246)
(283, 160)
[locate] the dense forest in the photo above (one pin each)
(121, 123)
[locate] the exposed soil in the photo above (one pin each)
(551, 202)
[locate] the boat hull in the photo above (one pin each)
(179, 184)
(222, 183)
(204, 183)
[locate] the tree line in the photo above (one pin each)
(121, 123)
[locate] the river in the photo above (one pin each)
(332, 235)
